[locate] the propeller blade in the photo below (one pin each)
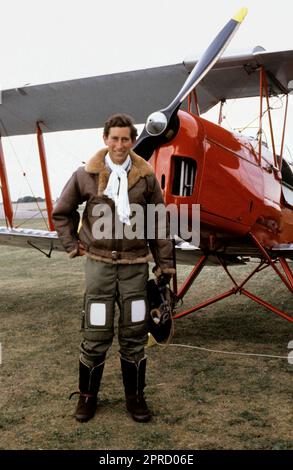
(210, 57)
(161, 125)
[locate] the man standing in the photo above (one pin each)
(116, 266)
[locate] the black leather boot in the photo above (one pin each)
(89, 384)
(134, 382)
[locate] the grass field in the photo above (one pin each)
(200, 399)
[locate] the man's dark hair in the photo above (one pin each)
(120, 120)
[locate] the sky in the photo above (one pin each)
(44, 42)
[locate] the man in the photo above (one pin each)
(116, 266)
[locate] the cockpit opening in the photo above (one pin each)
(184, 176)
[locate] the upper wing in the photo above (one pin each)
(238, 76)
(86, 103)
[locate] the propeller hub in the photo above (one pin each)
(156, 123)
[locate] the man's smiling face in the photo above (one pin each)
(119, 143)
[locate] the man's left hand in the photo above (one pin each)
(164, 279)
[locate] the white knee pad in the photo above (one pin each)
(138, 310)
(97, 314)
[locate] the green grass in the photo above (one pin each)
(200, 399)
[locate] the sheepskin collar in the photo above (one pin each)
(96, 165)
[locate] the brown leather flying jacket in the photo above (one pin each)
(87, 184)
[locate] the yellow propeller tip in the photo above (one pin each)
(240, 15)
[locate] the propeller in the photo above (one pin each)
(161, 126)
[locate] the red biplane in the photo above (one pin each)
(245, 190)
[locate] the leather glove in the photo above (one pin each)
(164, 279)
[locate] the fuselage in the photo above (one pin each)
(238, 192)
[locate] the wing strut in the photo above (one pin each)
(8, 210)
(45, 175)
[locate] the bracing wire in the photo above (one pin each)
(224, 352)
(24, 174)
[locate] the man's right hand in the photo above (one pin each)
(81, 249)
